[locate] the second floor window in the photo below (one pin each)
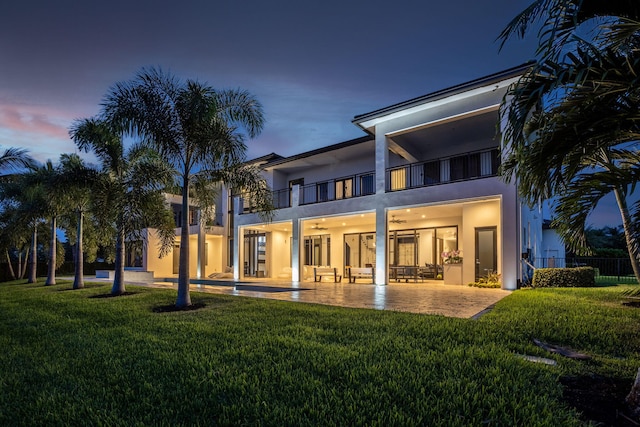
(367, 184)
(344, 188)
(322, 191)
(398, 179)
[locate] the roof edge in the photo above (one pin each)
(321, 150)
(463, 87)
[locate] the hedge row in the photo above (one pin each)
(578, 277)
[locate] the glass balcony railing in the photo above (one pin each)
(478, 164)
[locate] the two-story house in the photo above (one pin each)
(419, 187)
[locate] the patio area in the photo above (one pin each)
(431, 297)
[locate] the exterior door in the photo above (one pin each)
(176, 258)
(486, 251)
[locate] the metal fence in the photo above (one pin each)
(618, 269)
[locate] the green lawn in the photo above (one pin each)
(69, 359)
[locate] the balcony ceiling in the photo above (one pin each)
(329, 157)
(461, 135)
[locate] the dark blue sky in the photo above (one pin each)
(313, 65)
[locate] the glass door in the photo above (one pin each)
(486, 251)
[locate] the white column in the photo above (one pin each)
(381, 246)
(382, 160)
(296, 265)
(237, 244)
(200, 272)
(296, 237)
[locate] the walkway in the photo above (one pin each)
(427, 298)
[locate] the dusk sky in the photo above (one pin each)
(313, 65)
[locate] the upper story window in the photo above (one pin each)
(344, 188)
(177, 215)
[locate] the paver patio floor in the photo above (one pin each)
(428, 298)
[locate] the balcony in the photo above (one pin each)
(473, 165)
(337, 189)
(279, 198)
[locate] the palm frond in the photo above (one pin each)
(15, 158)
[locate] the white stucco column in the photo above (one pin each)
(382, 160)
(237, 244)
(511, 233)
(296, 237)
(200, 271)
(296, 266)
(381, 246)
(295, 195)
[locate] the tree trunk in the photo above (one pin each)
(51, 272)
(633, 399)
(184, 298)
(78, 280)
(628, 226)
(13, 274)
(33, 259)
(22, 266)
(118, 287)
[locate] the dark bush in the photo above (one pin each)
(578, 277)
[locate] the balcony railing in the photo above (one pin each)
(279, 198)
(337, 189)
(478, 164)
(282, 198)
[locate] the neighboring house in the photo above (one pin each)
(423, 182)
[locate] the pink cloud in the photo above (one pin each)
(34, 120)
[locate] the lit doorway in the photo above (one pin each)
(255, 254)
(486, 251)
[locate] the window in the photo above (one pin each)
(322, 191)
(317, 250)
(367, 185)
(398, 179)
(193, 216)
(431, 172)
(457, 165)
(344, 188)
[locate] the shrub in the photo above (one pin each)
(491, 281)
(578, 277)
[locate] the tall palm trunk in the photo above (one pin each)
(13, 274)
(78, 280)
(33, 260)
(184, 299)
(628, 226)
(22, 266)
(118, 287)
(51, 272)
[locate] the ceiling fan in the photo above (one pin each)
(397, 221)
(318, 227)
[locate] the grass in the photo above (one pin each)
(69, 358)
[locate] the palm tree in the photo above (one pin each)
(571, 121)
(15, 158)
(25, 195)
(77, 182)
(195, 128)
(15, 238)
(48, 177)
(130, 188)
